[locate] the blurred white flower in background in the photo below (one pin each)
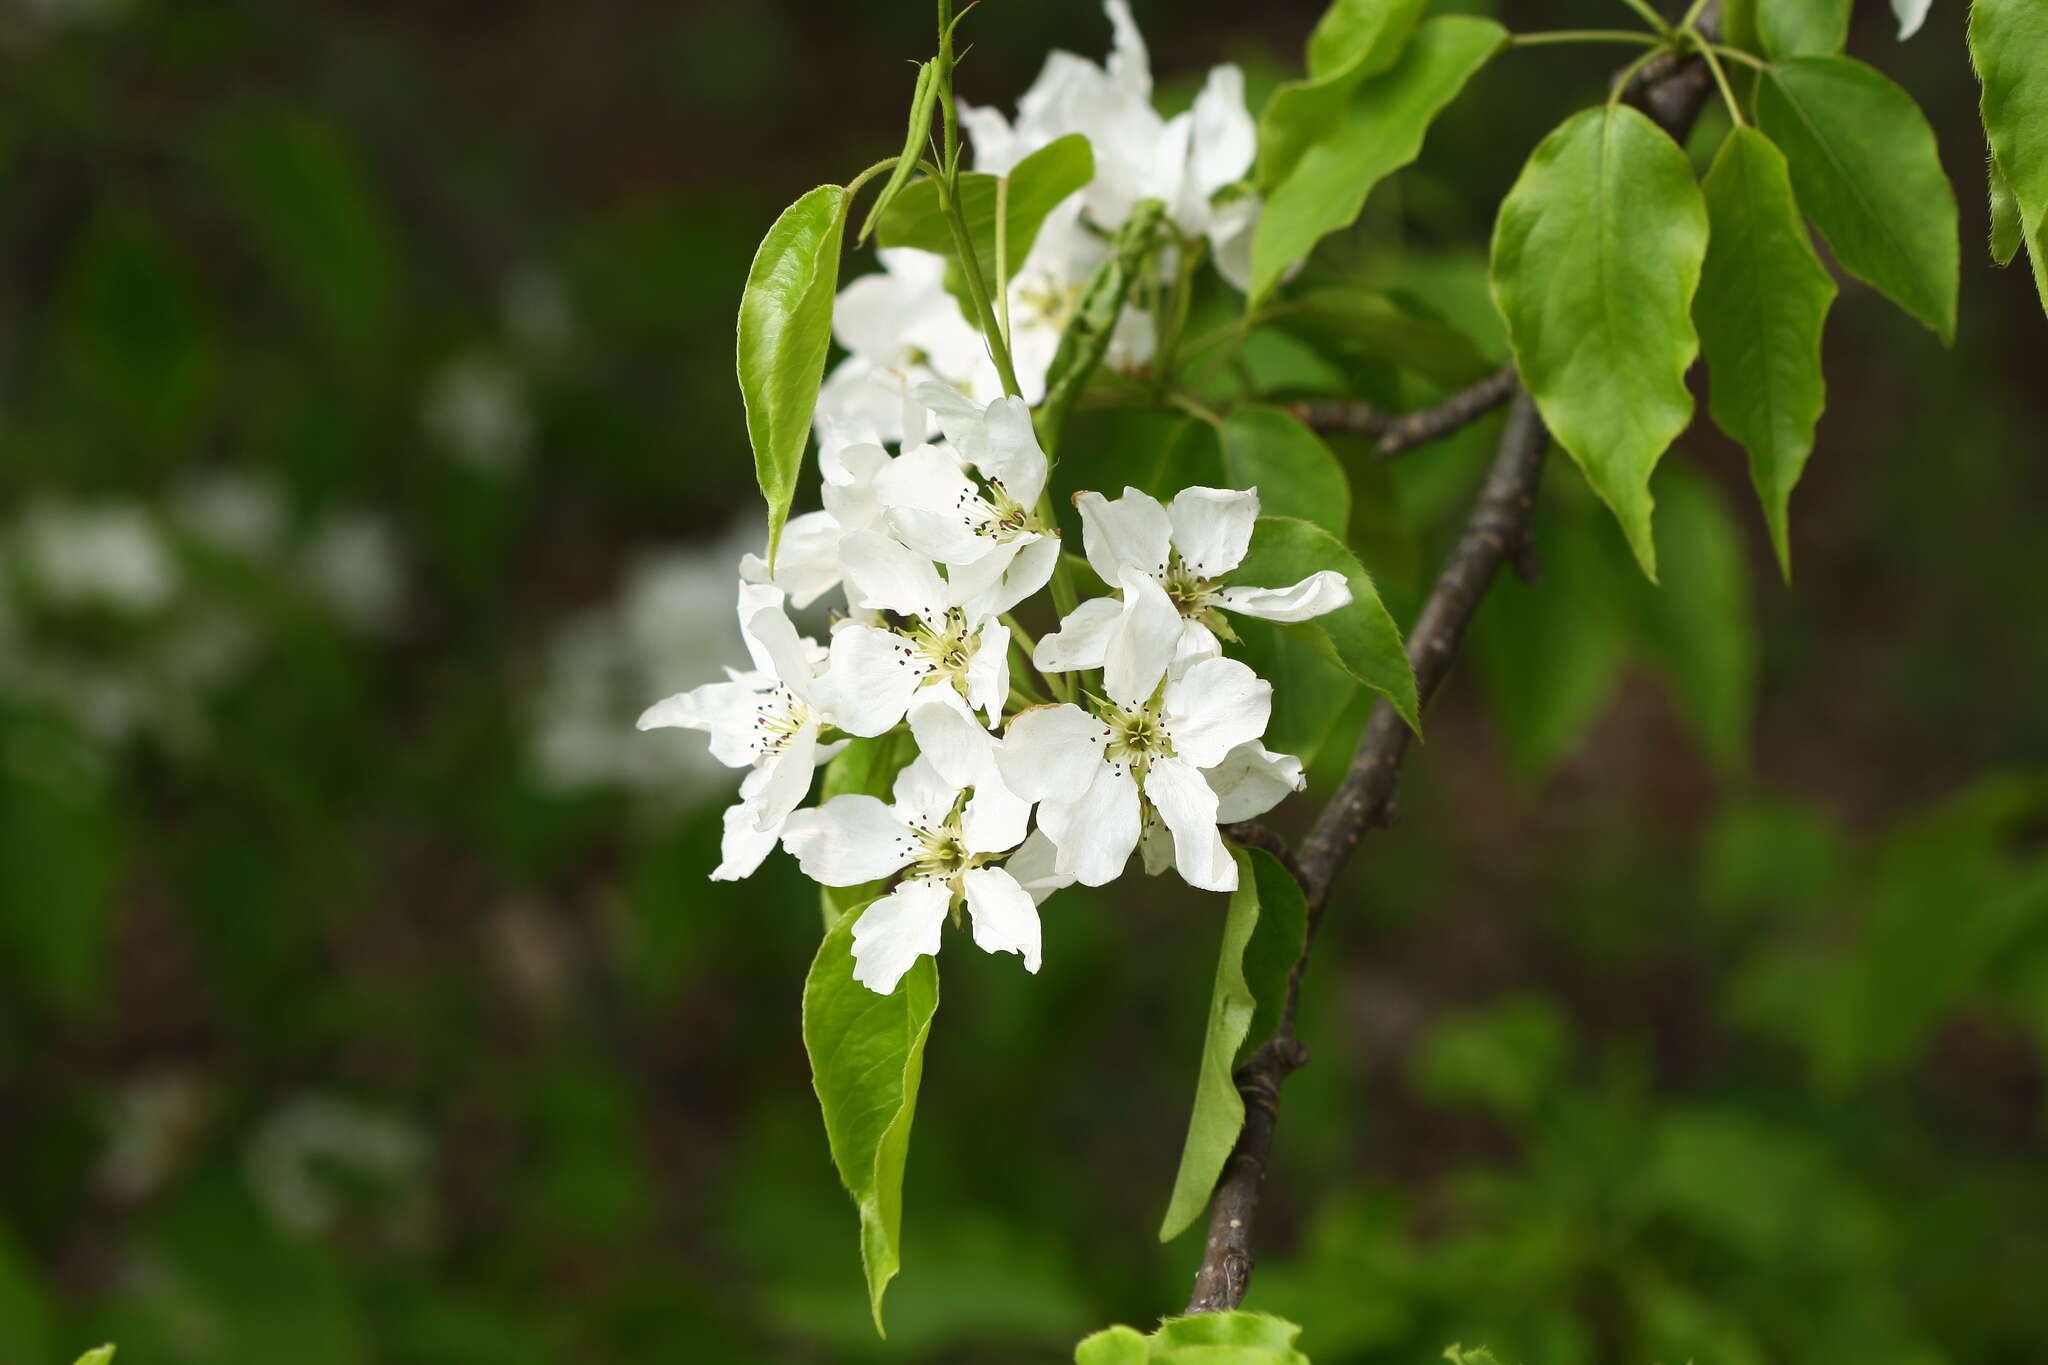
(109, 555)
(352, 561)
(319, 1154)
(477, 410)
(153, 1124)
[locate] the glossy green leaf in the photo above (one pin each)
(785, 330)
(1219, 1109)
(2009, 45)
(1595, 257)
(1802, 28)
(1350, 324)
(865, 767)
(1093, 323)
(1038, 184)
(867, 1057)
(1762, 303)
(1275, 946)
(1310, 692)
(923, 97)
(1699, 622)
(1867, 173)
(1353, 41)
(1380, 130)
(1361, 637)
(1294, 472)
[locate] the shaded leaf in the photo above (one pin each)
(1294, 472)
(1038, 184)
(867, 1057)
(1762, 303)
(134, 332)
(1802, 28)
(1275, 945)
(785, 330)
(1354, 40)
(1595, 257)
(1379, 131)
(1093, 323)
(1866, 170)
(1352, 323)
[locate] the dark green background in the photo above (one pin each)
(1620, 1054)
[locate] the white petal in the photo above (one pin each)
(1130, 66)
(847, 841)
(1196, 641)
(1142, 644)
(1912, 14)
(1051, 752)
(1009, 455)
(806, 563)
(1187, 805)
(1232, 226)
(725, 710)
(1225, 138)
(894, 932)
(1131, 532)
(972, 583)
(988, 672)
(1096, 832)
(927, 477)
(948, 537)
(848, 486)
(1251, 780)
(786, 778)
(923, 797)
(755, 598)
(1322, 591)
(1216, 705)
(1212, 527)
(995, 818)
(1155, 846)
(872, 677)
(1035, 866)
(888, 576)
(1005, 918)
(1081, 639)
(950, 739)
(1030, 568)
(743, 847)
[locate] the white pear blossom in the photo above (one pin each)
(1190, 550)
(853, 839)
(900, 327)
(765, 720)
(1097, 775)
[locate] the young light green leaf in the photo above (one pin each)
(1361, 638)
(1353, 41)
(1038, 184)
(867, 1057)
(785, 330)
(2009, 45)
(1762, 303)
(1867, 173)
(1379, 131)
(1233, 1338)
(1093, 323)
(1219, 1109)
(1596, 254)
(1275, 946)
(99, 1355)
(1117, 1345)
(1699, 623)
(922, 99)
(1293, 471)
(1803, 28)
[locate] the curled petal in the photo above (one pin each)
(1323, 591)
(1035, 866)
(1214, 706)
(743, 847)
(724, 710)
(894, 932)
(807, 566)
(1251, 780)
(1009, 455)
(786, 778)
(1005, 918)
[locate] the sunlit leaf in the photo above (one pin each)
(1354, 40)
(2009, 44)
(1803, 28)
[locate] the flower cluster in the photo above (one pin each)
(1153, 743)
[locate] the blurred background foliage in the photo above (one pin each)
(370, 454)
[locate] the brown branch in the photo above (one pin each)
(1401, 431)
(1495, 533)
(1252, 834)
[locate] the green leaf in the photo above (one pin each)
(1354, 40)
(1310, 693)
(1762, 303)
(1699, 622)
(865, 767)
(1275, 945)
(1477, 1355)
(1595, 257)
(1802, 28)
(1361, 638)
(1867, 173)
(1117, 1345)
(315, 215)
(1038, 184)
(867, 1057)
(1234, 1338)
(1380, 131)
(99, 1355)
(1093, 323)
(1294, 472)
(922, 99)
(1219, 1109)
(1352, 324)
(785, 330)
(2009, 45)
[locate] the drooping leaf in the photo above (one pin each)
(1361, 637)
(1762, 303)
(1698, 623)
(1595, 257)
(1802, 28)
(1380, 130)
(865, 767)
(1038, 184)
(1294, 472)
(1353, 41)
(2009, 45)
(1219, 1109)
(785, 330)
(1866, 170)
(1093, 324)
(1274, 948)
(867, 1057)
(1351, 323)
(923, 97)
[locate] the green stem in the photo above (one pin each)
(1738, 55)
(1650, 16)
(1628, 74)
(1175, 318)
(1706, 51)
(1692, 15)
(1003, 256)
(1584, 35)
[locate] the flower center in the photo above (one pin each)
(1186, 589)
(778, 716)
(941, 854)
(948, 649)
(1137, 735)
